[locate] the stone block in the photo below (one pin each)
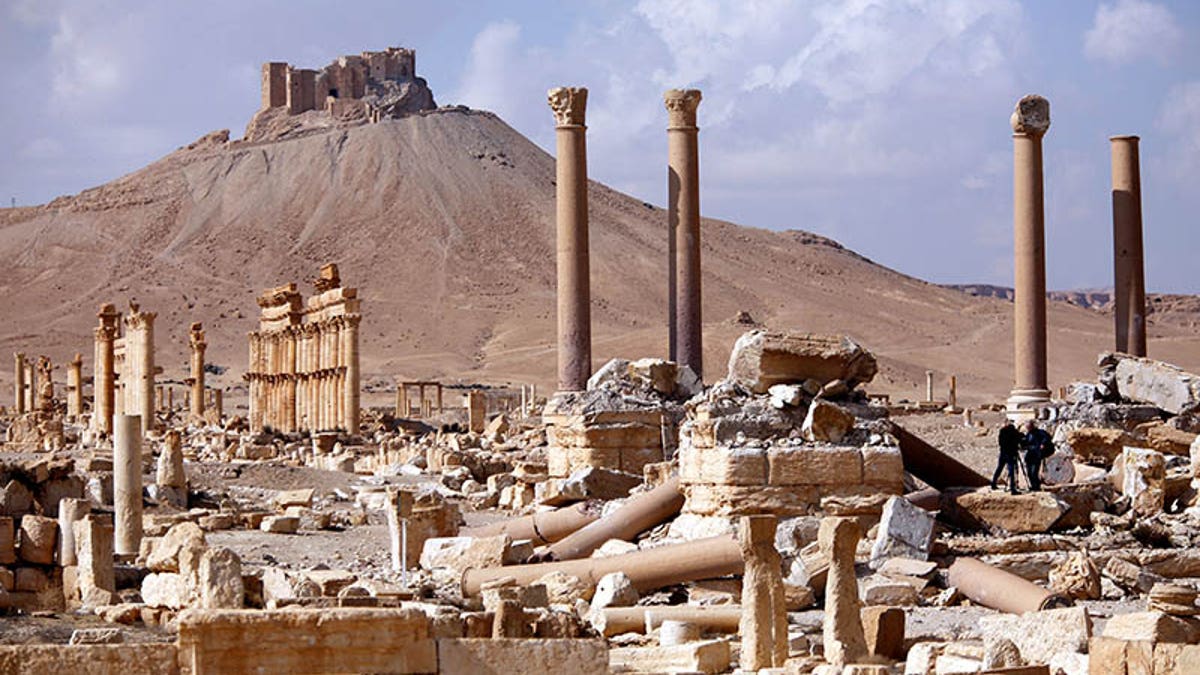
(1039, 636)
(8, 541)
(1096, 445)
(1144, 481)
(38, 537)
(731, 500)
(166, 589)
(15, 499)
(634, 460)
(307, 640)
(1030, 512)
(95, 576)
(883, 466)
(30, 580)
(151, 658)
(622, 435)
(1156, 627)
(826, 422)
(7, 580)
(1157, 383)
(280, 524)
(814, 465)
(502, 656)
(723, 465)
(705, 656)
(884, 630)
(904, 531)
(760, 359)
(286, 498)
(878, 590)
(589, 483)
(462, 553)
(614, 590)
(1176, 659)
(220, 580)
(164, 553)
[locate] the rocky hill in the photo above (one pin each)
(445, 221)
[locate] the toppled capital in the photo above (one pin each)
(681, 107)
(568, 104)
(1031, 116)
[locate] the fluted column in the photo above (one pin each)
(574, 292)
(127, 483)
(104, 371)
(75, 387)
(683, 215)
(1030, 121)
(19, 382)
(350, 343)
(289, 395)
(1129, 282)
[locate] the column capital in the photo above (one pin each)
(1031, 116)
(1124, 139)
(681, 107)
(568, 104)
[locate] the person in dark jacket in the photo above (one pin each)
(1038, 446)
(1010, 446)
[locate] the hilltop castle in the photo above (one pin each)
(370, 86)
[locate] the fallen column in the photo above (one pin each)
(715, 619)
(541, 528)
(648, 570)
(127, 483)
(995, 588)
(933, 466)
(638, 514)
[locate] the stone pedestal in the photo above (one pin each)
(1129, 282)
(127, 483)
(683, 213)
(571, 195)
(1030, 121)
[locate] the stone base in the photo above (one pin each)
(1024, 400)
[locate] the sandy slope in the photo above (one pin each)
(446, 223)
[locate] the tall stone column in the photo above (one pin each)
(571, 196)
(289, 383)
(75, 387)
(254, 414)
(139, 362)
(350, 344)
(31, 399)
(1129, 283)
(127, 483)
(1029, 121)
(196, 381)
(104, 392)
(683, 214)
(19, 382)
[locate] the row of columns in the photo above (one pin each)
(569, 105)
(425, 407)
(1030, 121)
(306, 377)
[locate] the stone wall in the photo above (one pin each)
(620, 440)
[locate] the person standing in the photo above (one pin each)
(1010, 446)
(1038, 446)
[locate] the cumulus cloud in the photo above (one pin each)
(1132, 30)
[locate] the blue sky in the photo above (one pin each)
(881, 123)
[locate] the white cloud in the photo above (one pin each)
(1179, 117)
(1131, 30)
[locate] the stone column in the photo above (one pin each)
(254, 414)
(351, 386)
(31, 400)
(139, 362)
(94, 554)
(928, 385)
(1129, 283)
(571, 196)
(127, 483)
(683, 217)
(75, 387)
(196, 381)
(219, 403)
(764, 612)
(476, 411)
(845, 642)
(1029, 121)
(19, 382)
(70, 510)
(953, 391)
(104, 373)
(289, 383)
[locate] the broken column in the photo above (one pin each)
(75, 386)
(1129, 282)
(399, 508)
(70, 510)
(127, 483)
(764, 613)
(571, 197)
(104, 372)
(476, 411)
(196, 380)
(19, 382)
(170, 478)
(1030, 121)
(94, 556)
(845, 642)
(138, 374)
(683, 217)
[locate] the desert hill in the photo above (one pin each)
(445, 222)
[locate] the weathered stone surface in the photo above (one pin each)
(1077, 577)
(1152, 627)
(309, 641)
(565, 589)
(38, 538)
(904, 531)
(706, 656)
(884, 630)
(1144, 480)
(1157, 383)
(614, 590)
(1040, 635)
(1096, 445)
(281, 524)
(166, 589)
(826, 422)
(1166, 439)
(530, 655)
(15, 499)
(220, 580)
(883, 466)
(814, 465)
(95, 576)
(152, 658)
(1023, 513)
(842, 627)
(8, 541)
(761, 359)
(30, 580)
(588, 483)
(723, 465)
(461, 553)
(286, 498)
(164, 555)
(879, 590)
